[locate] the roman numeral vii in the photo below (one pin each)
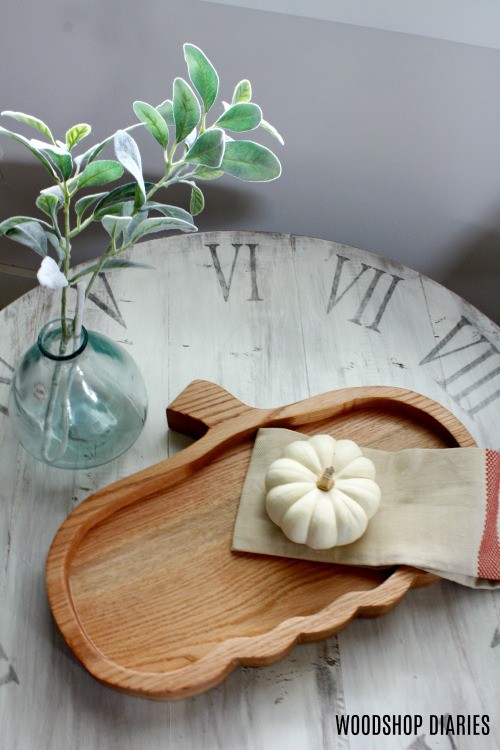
(379, 305)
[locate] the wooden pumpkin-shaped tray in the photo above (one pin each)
(141, 577)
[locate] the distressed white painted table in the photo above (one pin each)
(273, 319)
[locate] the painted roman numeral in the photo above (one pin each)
(336, 297)
(485, 350)
(10, 675)
(419, 744)
(496, 638)
(225, 284)
(5, 380)
(105, 300)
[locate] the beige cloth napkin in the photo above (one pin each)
(438, 512)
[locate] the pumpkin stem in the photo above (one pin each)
(326, 481)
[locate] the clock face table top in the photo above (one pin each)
(273, 319)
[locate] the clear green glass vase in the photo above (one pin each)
(76, 406)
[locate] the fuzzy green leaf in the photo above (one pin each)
(208, 149)
(272, 131)
(153, 121)
(186, 109)
(55, 190)
(109, 265)
(54, 241)
(60, 157)
(115, 225)
(120, 208)
(127, 153)
(202, 74)
(30, 120)
(31, 234)
(197, 202)
(241, 117)
(64, 163)
(250, 161)
(207, 173)
(13, 222)
(242, 92)
(97, 173)
(166, 111)
(84, 203)
(139, 218)
(93, 152)
(173, 211)
(119, 194)
(76, 133)
(36, 152)
(123, 263)
(161, 225)
(49, 204)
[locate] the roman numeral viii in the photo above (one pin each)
(379, 305)
(225, 284)
(5, 379)
(468, 383)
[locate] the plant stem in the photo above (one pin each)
(63, 316)
(83, 225)
(80, 304)
(171, 170)
(47, 425)
(67, 254)
(60, 369)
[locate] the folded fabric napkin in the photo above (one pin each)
(438, 512)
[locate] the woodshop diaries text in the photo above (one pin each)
(410, 724)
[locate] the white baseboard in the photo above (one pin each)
(27, 273)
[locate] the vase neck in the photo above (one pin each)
(56, 340)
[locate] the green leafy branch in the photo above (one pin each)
(192, 151)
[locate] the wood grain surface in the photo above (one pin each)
(129, 572)
(311, 330)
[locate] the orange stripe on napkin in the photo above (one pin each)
(488, 563)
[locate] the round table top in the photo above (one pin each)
(273, 319)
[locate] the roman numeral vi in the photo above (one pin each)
(225, 285)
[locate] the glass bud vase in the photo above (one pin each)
(77, 405)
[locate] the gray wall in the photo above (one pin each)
(392, 140)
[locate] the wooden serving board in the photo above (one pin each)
(141, 577)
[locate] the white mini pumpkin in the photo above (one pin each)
(322, 492)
